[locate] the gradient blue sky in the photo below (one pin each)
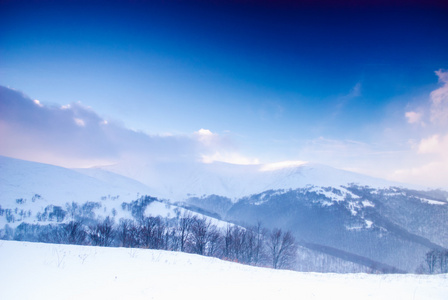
(272, 80)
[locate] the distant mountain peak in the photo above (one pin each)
(180, 181)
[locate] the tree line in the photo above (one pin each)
(188, 233)
(437, 261)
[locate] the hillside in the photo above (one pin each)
(342, 221)
(392, 226)
(57, 185)
(42, 194)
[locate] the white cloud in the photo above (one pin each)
(206, 137)
(218, 148)
(414, 117)
(37, 102)
(79, 122)
(204, 132)
(431, 144)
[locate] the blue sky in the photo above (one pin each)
(270, 80)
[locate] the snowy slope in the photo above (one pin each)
(178, 182)
(29, 189)
(57, 185)
(47, 271)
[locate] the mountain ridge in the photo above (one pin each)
(179, 181)
(391, 226)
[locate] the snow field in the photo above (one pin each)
(48, 271)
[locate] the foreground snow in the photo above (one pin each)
(47, 271)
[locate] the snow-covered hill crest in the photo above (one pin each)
(56, 185)
(180, 181)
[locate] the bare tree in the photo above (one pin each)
(75, 233)
(152, 233)
(259, 253)
(184, 228)
(73, 210)
(102, 234)
(443, 261)
(238, 242)
(228, 241)
(128, 234)
(282, 248)
(244, 245)
(431, 260)
(160, 234)
(172, 239)
(214, 244)
(249, 247)
(199, 235)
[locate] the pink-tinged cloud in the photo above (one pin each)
(414, 117)
(429, 164)
(434, 144)
(76, 136)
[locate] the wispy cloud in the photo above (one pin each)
(414, 117)
(368, 158)
(344, 100)
(439, 101)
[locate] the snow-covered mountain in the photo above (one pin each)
(171, 181)
(180, 181)
(39, 193)
(351, 216)
(368, 222)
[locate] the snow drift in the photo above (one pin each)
(48, 271)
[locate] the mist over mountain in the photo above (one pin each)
(342, 221)
(178, 181)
